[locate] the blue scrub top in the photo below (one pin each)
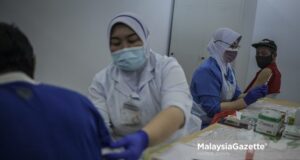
(42, 122)
(206, 87)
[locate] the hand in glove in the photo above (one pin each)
(256, 93)
(133, 144)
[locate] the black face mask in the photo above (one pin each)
(264, 61)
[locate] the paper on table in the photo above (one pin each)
(186, 152)
(224, 134)
(227, 133)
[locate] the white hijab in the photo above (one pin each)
(216, 48)
(139, 27)
(135, 23)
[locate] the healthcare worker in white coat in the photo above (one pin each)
(214, 85)
(142, 95)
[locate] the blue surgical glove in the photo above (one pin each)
(134, 145)
(256, 93)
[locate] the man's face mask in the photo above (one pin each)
(264, 61)
(230, 54)
(129, 59)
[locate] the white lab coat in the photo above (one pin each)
(162, 84)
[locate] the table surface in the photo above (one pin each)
(211, 132)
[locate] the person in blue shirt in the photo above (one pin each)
(214, 85)
(40, 121)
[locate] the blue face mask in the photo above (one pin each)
(129, 59)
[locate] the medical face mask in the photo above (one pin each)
(129, 59)
(230, 55)
(264, 61)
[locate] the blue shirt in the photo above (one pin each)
(206, 87)
(42, 122)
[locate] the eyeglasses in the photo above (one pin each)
(233, 46)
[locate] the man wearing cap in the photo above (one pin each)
(266, 53)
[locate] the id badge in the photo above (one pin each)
(130, 114)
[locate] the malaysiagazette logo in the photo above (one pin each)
(230, 146)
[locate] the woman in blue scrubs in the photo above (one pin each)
(214, 85)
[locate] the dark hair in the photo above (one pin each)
(16, 52)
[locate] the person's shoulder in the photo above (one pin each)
(162, 61)
(208, 65)
(59, 91)
(274, 68)
(208, 70)
(163, 64)
(266, 71)
(104, 74)
(64, 93)
(56, 94)
(105, 71)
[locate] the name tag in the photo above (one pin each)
(130, 114)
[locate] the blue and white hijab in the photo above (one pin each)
(217, 46)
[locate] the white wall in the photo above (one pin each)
(191, 35)
(247, 27)
(69, 36)
(279, 20)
